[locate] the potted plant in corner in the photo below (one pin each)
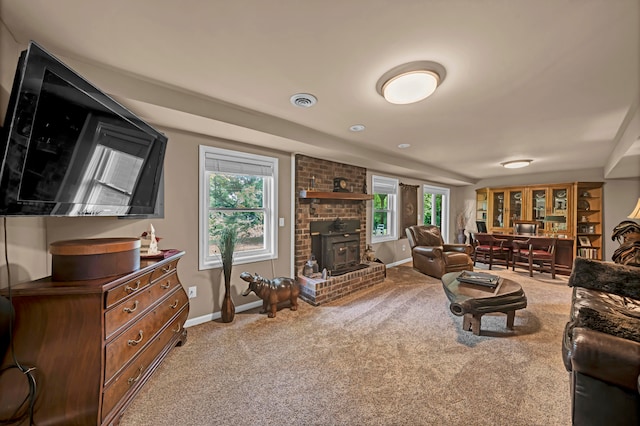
(227, 244)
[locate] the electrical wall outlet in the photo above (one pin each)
(193, 292)
(404, 247)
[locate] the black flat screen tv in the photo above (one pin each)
(68, 149)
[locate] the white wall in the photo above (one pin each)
(620, 197)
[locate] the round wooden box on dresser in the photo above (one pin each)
(93, 343)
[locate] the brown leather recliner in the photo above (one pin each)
(432, 256)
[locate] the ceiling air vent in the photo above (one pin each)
(303, 100)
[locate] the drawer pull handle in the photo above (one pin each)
(132, 380)
(135, 342)
(132, 289)
(178, 330)
(166, 268)
(166, 286)
(130, 310)
(175, 304)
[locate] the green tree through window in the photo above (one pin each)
(238, 191)
(429, 210)
(237, 201)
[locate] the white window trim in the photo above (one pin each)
(271, 214)
(445, 192)
(393, 219)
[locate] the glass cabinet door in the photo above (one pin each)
(515, 207)
(538, 204)
(497, 212)
(558, 218)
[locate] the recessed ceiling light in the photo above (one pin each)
(303, 100)
(516, 164)
(357, 128)
(404, 145)
(412, 82)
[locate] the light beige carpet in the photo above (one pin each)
(390, 355)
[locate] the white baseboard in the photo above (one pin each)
(399, 262)
(216, 315)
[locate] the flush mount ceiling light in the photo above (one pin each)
(303, 100)
(357, 128)
(412, 82)
(516, 164)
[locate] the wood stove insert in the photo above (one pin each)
(336, 245)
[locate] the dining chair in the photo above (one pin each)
(537, 253)
(490, 249)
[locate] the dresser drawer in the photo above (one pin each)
(124, 290)
(164, 269)
(131, 309)
(138, 335)
(165, 285)
(127, 311)
(137, 370)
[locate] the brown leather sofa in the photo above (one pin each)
(601, 343)
(432, 256)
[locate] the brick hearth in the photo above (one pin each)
(317, 291)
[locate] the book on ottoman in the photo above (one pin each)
(479, 278)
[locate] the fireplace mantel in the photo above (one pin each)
(304, 194)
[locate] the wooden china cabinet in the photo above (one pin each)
(569, 211)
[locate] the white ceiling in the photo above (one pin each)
(555, 81)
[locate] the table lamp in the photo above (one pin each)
(635, 214)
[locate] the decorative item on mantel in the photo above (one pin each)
(227, 243)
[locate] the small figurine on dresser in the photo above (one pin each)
(149, 243)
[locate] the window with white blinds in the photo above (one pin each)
(237, 190)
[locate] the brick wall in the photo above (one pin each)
(324, 171)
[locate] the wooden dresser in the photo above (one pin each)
(93, 343)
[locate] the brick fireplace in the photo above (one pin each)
(318, 175)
